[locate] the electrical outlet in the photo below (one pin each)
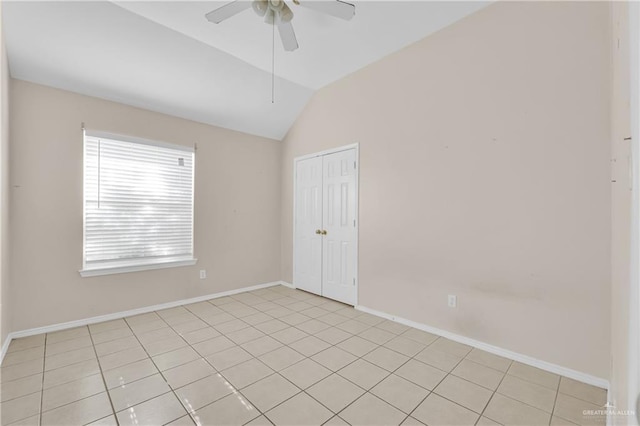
(453, 301)
(203, 274)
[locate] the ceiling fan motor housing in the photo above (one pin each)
(278, 13)
(272, 10)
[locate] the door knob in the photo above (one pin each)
(324, 232)
(318, 231)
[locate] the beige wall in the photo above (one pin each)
(5, 306)
(620, 207)
(237, 209)
(484, 173)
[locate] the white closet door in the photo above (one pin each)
(339, 221)
(308, 222)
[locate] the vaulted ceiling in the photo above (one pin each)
(166, 57)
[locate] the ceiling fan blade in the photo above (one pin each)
(227, 11)
(337, 8)
(288, 36)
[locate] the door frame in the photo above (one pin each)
(633, 348)
(355, 146)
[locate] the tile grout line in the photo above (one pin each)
(253, 357)
(53, 369)
(43, 377)
(22, 361)
(160, 372)
(504, 373)
(236, 389)
(390, 373)
(257, 359)
(202, 357)
(274, 371)
(530, 383)
(214, 369)
(171, 326)
(432, 391)
(336, 372)
(450, 373)
(149, 357)
(127, 364)
(495, 392)
(26, 394)
(44, 359)
(61, 384)
(97, 360)
(366, 391)
(555, 401)
(79, 399)
(104, 381)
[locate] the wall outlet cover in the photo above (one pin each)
(452, 301)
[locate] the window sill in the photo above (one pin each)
(94, 272)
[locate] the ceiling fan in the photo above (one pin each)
(276, 12)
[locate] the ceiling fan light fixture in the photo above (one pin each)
(285, 15)
(260, 7)
(276, 4)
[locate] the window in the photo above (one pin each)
(138, 204)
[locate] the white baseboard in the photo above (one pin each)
(547, 366)
(118, 315)
(543, 365)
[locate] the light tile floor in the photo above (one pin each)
(275, 356)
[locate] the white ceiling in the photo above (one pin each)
(165, 56)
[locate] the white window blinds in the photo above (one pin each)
(138, 202)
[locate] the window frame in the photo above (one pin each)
(141, 264)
